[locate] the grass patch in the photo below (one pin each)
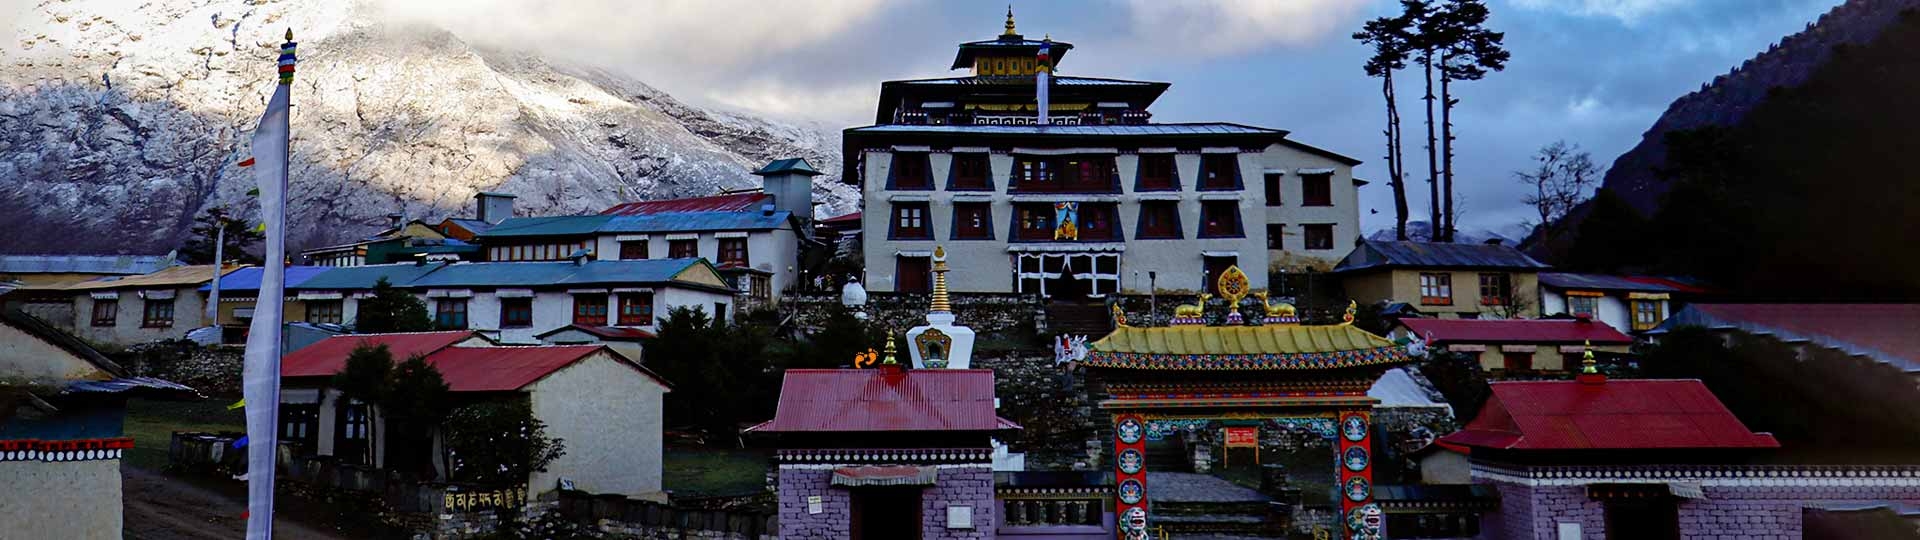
(709, 472)
(152, 423)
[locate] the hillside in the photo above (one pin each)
(120, 120)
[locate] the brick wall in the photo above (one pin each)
(956, 485)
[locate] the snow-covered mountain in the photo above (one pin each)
(1419, 231)
(120, 120)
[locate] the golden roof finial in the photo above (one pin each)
(289, 34)
(888, 359)
(940, 301)
(1587, 365)
(1010, 31)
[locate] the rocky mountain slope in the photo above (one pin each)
(122, 119)
(1728, 98)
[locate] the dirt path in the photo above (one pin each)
(161, 507)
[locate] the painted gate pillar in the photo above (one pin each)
(1130, 475)
(1363, 519)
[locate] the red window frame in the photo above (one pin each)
(913, 274)
(1273, 189)
(1318, 236)
(972, 221)
(1159, 220)
(1219, 171)
(636, 309)
(1316, 190)
(633, 250)
(106, 312)
(910, 221)
(590, 309)
(516, 312)
(733, 251)
(972, 172)
(1158, 172)
(1220, 219)
(911, 171)
(683, 249)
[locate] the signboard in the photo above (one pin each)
(815, 505)
(1243, 437)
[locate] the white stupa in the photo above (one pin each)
(940, 344)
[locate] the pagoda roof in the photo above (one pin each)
(1242, 348)
(1008, 44)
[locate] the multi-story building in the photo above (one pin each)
(1088, 199)
(130, 310)
(1494, 281)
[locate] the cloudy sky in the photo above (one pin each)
(1592, 72)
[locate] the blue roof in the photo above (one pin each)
(1210, 128)
(83, 264)
(695, 221)
(1384, 254)
(556, 273)
(364, 277)
(144, 385)
(248, 279)
(546, 226)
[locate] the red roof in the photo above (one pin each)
(327, 357)
(602, 332)
(1610, 415)
(848, 218)
(1569, 331)
(737, 202)
(853, 400)
(503, 369)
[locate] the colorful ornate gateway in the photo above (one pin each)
(1258, 370)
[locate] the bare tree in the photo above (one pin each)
(1392, 45)
(1560, 179)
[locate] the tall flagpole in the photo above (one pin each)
(261, 381)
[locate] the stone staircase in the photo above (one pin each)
(1189, 505)
(1079, 318)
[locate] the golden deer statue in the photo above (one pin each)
(1194, 310)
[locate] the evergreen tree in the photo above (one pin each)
(364, 379)
(499, 443)
(199, 247)
(1391, 39)
(1468, 51)
(391, 310)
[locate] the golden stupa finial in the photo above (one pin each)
(1010, 31)
(941, 304)
(1587, 365)
(289, 34)
(888, 360)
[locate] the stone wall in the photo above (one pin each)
(1020, 314)
(956, 485)
(211, 370)
(836, 505)
(1050, 402)
(1770, 510)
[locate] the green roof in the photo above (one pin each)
(548, 226)
(789, 165)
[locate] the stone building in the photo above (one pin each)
(1629, 303)
(1518, 346)
(1498, 281)
(1062, 186)
(606, 407)
(137, 309)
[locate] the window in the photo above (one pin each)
(1495, 289)
(1035, 222)
(972, 221)
(1516, 361)
(759, 286)
(633, 250)
(1583, 305)
(1316, 190)
(910, 221)
(1220, 219)
(105, 311)
(910, 171)
(1273, 189)
(1159, 220)
(1648, 314)
(516, 312)
(450, 313)
(683, 249)
(300, 423)
(733, 252)
(1219, 171)
(1065, 174)
(911, 274)
(325, 312)
(1157, 173)
(1276, 233)
(157, 314)
(1318, 235)
(971, 172)
(1215, 266)
(719, 315)
(1436, 289)
(590, 309)
(1099, 222)
(636, 309)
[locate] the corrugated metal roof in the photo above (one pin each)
(129, 385)
(789, 165)
(875, 400)
(1606, 282)
(1382, 254)
(556, 273)
(82, 264)
(545, 226)
(1238, 340)
(963, 58)
(737, 202)
(327, 357)
(248, 279)
(602, 332)
(1211, 128)
(176, 276)
(844, 218)
(364, 277)
(1557, 331)
(696, 221)
(502, 369)
(1611, 415)
(1887, 333)
(474, 226)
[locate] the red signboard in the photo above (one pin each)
(1243, 437)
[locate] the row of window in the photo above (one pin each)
(155, 314)
(733, 251)
(636, 309)
(1436, 289)
(1094, 222)
(1094, 174)
(913, 274)
(1647, 313)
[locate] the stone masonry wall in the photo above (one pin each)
(959, 486)
(984, 313)
(969, 485)
(796, 484)
(1050, 402)
(1771, 512)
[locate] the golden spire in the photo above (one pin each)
(1587, 365)
(940, 302)
(289, 34)
(888, 360)
(1010, 31)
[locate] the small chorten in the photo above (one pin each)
(1010, 31)
(1589, 369)
(940, 344)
